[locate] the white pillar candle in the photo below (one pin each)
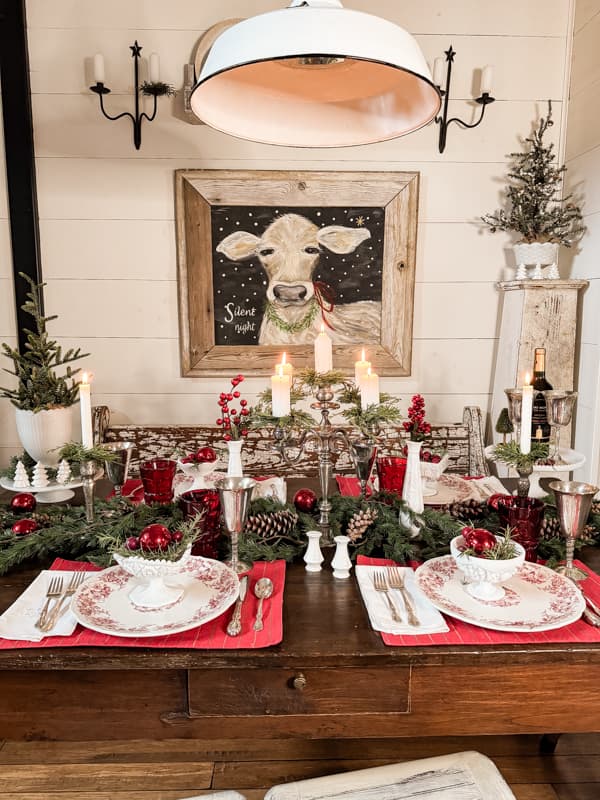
(280, 393)
(526, 414)
(99, 68)
(360, 369)
(286, 367)
(369, 390)
(85, 404)
(323, 352)
(438, 71)
(487, 77)
(154, 68)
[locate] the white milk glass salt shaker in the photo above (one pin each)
(341, 561)
(313, 556)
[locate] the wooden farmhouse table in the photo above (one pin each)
(331, 677)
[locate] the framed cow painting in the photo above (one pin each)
(268, 259)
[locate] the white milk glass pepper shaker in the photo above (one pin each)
(313, 556)
(341, 561)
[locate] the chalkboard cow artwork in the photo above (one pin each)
(297, 306)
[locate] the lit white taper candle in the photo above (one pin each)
(369, 390)
(85, 405)
(280, 393)
(323, 352)
(526, 415)
(360, 369)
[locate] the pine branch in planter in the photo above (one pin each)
(39, 386)
(510, 454)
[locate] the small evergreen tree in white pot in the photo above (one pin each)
(43, 398)
(535, 209)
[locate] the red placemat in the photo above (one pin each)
(464, 633)
(349, 486)
(210, 636)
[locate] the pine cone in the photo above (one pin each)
(469, 509)
(41, 518)
(268, 526)
(550, 528)
(359, 522)
(595, 508)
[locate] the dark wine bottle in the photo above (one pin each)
(540, 429)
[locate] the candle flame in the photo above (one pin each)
(322, 327)
(363, 355)
(84, 377)
(283, 358)
(527, 379)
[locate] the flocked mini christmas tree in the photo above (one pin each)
(21, 479)
(63, 474)
(504, 425)
(535, 208)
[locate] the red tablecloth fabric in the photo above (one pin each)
(210, 636)
(464, 633)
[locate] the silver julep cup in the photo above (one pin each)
(235, 494)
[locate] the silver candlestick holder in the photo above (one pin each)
(327, 441)
(87, 470)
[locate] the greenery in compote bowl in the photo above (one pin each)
(155, 542)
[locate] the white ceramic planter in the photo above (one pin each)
(538, 255)
(42, 434)
(234, 464)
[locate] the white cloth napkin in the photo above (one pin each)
(379, 613)
(488, 486)
(18, 621)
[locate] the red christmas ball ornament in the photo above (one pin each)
(132, 543)
(206, 454)
(23, 502)
(24, 526)
(305, 500)
(155, 537)
(479, 539)
(177, 536)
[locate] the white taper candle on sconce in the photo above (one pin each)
(438, 71)
(360, 369)
(280, 393)
(85, 404)
(285, 365)
(323, 352)
(487, 77)
(369, 390)
(99, 68)
(526, 415)
(154, 68)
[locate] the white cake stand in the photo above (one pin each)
(572, 460)
(53, 493)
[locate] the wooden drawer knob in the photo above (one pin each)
(299, 682)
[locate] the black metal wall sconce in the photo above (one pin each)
(484, 99)
(153, 87)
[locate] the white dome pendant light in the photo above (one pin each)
(315, 74)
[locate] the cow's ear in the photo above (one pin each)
(239, 246)
(339, 239)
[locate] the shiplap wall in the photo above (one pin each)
(107, 230)
(583, 163)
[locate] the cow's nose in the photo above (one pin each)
(290, 294)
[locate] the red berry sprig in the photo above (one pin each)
(233, 421)
(416, 425)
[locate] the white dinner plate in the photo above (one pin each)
(536, 598)
(102, 602)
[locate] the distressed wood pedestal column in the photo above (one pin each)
(536, 314)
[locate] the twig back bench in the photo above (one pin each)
(462, 440)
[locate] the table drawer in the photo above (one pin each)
(251, 692)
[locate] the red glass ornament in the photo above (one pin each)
(24, 526)
(206, 454)
(496, 498)
(305, 500)
(479, 539)
(23, 502)
(132, 543)
(155, 537)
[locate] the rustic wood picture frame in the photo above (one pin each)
(198, 191)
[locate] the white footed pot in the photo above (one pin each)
(537, 254)
(42, 434)
(234, 463)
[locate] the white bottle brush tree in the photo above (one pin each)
(535, 208)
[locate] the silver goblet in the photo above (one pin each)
(118, 470)
(363, 455)
(515, 403)
(559, 411)
(235, 494)
(573, 503)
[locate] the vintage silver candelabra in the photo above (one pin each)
(327, 441)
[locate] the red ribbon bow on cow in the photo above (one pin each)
(325, 296)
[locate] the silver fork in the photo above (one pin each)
(380, 585)
(74, 584)
(396, 579)
(54, 590)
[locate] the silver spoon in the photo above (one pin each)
(263, 589)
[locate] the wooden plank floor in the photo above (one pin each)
(175, 769)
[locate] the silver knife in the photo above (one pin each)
(591, 604)
(235, 623)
